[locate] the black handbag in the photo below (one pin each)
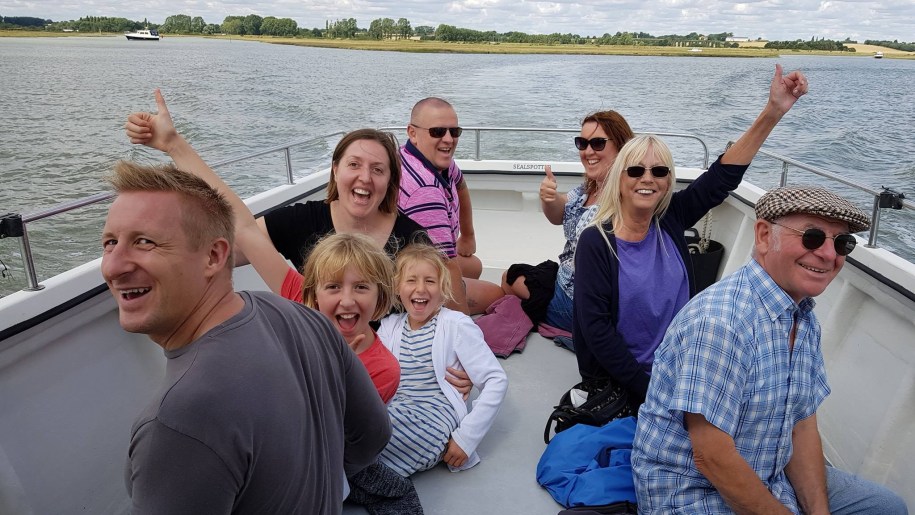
(606, 401)
(706, 257)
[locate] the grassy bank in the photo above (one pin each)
(750, 49)
(5, 33)
(860, 50)
(747, 49)
(512, 48)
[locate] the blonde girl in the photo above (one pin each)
(348, 278)
(430, 418)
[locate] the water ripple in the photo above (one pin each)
(232, 97)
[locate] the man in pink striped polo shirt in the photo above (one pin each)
(433, 193)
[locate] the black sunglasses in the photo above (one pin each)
(439, 132)
(597, 144)
(813, 239)
(637, 171)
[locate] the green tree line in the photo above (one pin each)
(86, 24)
(813, 44)
(905, 47)
(16, 22)
(388, 28)
(100, 24)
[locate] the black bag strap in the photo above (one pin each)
(602, 393)
(558, 412)
(617, 508)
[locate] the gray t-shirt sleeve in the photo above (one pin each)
(366, 425)
(177, 474)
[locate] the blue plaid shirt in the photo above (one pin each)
(726, 356)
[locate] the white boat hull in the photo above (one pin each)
(142, 35)
(72, 382)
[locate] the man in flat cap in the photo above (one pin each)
(729, 423)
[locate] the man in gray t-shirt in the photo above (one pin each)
(263, 407)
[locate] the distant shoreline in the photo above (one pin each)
(751, 49)
(514, 48)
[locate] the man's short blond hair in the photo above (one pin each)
(206, 215)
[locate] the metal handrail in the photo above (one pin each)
(285, 148)
(879, 196)
(21, 221)
(478, 131)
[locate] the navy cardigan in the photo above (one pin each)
(601, 350)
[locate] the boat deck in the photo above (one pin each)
(62, 351)
(504, 481)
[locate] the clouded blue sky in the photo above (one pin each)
(768, 19)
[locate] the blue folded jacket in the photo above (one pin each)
(590, 466)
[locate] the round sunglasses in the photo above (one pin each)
(439, 132)
(637, 171)
(813, 239)
(597, 144)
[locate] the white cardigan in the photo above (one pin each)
(459, 343)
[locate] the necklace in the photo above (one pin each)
(628, 234)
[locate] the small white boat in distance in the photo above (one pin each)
(878, 55)
(142, 35)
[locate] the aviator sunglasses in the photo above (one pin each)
(813, 239)
(637, 171)
(597, 144)
(439, 132)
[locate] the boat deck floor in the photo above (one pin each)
(504, 481)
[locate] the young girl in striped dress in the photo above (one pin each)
(430, 419)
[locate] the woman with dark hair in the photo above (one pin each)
(361, 198)
(546, 289)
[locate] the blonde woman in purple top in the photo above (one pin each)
(633, 271)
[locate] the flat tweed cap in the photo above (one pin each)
(812, 200)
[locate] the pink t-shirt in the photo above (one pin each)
(430, 198)
(381, 365)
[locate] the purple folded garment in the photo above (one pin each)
(548, 331)
(505, 326)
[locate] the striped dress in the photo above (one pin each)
(422, 418)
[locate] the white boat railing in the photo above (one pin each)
(14, 225)
(478, 137)
(886, 198)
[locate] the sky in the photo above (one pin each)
(767, 19)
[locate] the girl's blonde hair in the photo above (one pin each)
(415, 252)
(609, 203)
(331, 257)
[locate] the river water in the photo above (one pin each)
(63, 103)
